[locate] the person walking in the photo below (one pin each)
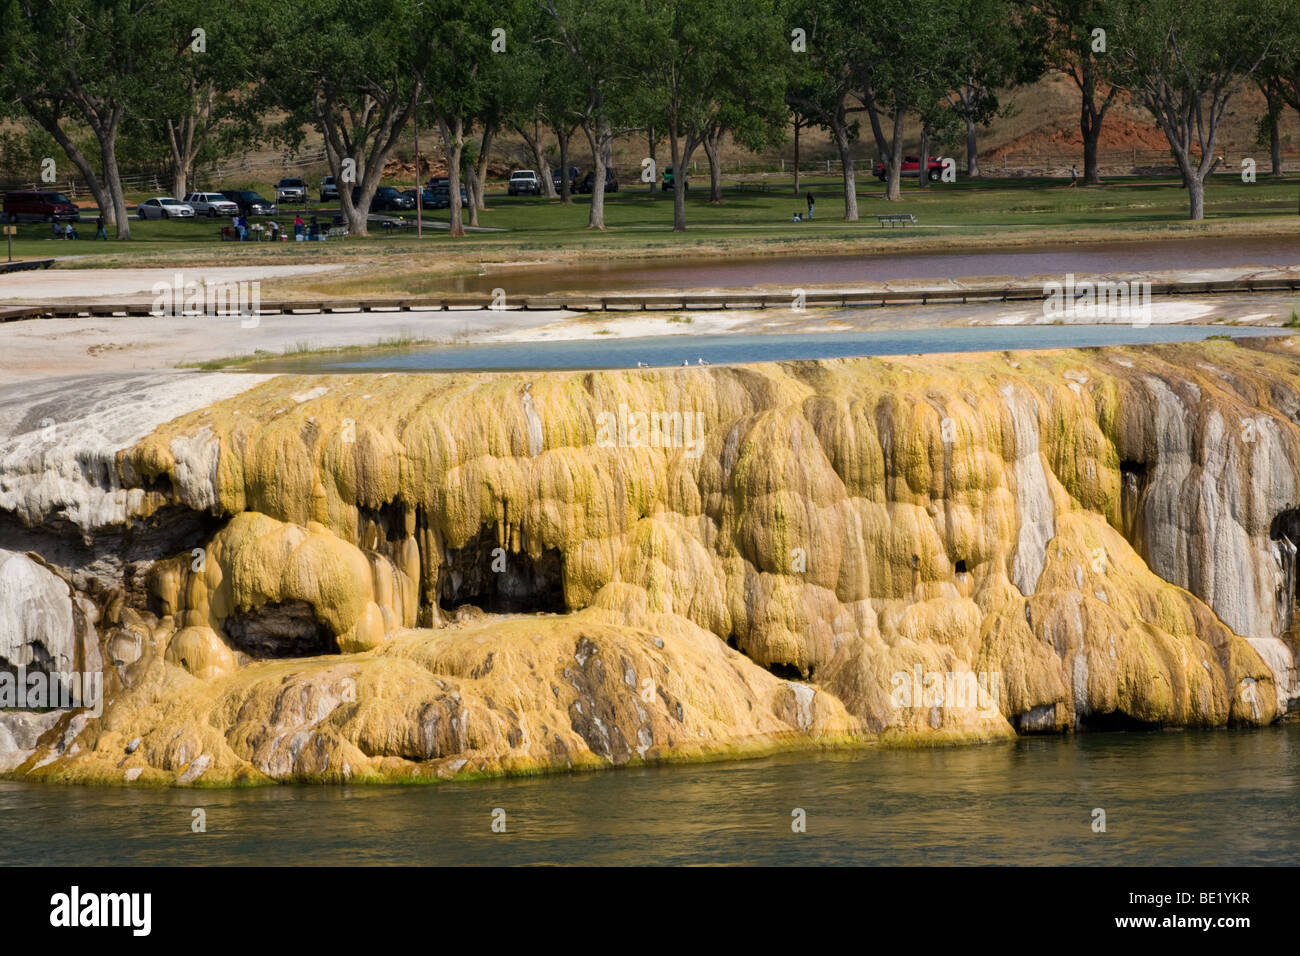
(810, 204)
(99, 228)
(1074, 176)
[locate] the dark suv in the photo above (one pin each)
(250, 202)
(386, 198)
(589, 182)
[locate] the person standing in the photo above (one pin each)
(297, 226)
(810, 204)
(99, 228)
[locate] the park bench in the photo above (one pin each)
(897, 219)
(336, 232)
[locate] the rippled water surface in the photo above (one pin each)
(1194, 797)
(743, 273)
(772, 347)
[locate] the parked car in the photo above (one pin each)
(589, 182)
(291, 190)
(910, 167)
(427, 197)
(441, 188)
(668, 181)
(573, 179)
(329, 189)
(211, 205)
(43, 206)
(524, 182)
(386, 198)
(164, 207)
(250, 202)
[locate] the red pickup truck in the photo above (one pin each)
(911, 164)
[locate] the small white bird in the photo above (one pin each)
(700, 361)
(642, 365)
(686, 361)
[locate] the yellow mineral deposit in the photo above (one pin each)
(1095, 530)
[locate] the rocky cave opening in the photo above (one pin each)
(288, 629)
(1285, 530)
(1133, 482)
(486, 575)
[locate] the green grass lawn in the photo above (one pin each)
(987, 212)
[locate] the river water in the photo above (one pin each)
(1055, 259)
(599, 352)
(1170, 798)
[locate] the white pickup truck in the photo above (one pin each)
(290, 191)
(524, 181)
(211, 205)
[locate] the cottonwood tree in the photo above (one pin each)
(88, 62)
(199, 94)
(1075, 36)
(992, 55)
(909, 65)
(827, 55)
(708, 72)
(353, 69)
(464, 82)
(598, 40)
(1280, 74)
(1184, 60)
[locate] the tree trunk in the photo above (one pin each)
(681, 158)
(536, 147)
(566, 185)
(1090, 115)
(894, 185)
(972, 151)
(481, 169)
(185, 138)
(599, 139)
(113, 179)
(453, 141)
(654, 164)
(1196, 196)
(472, 187)
(1091, 173)
(923, 167)
(1275, 140)
(797, 124)
(712, 149)
(841, 131)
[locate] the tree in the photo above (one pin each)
(198, 84)
(1184, 60)
(87, 61)
(597, 40)
(994, 52)
(706, 72)
(352, 68)
(911, 64)
(1074, 40)
(828, 49)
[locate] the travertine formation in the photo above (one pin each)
(387, 576)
